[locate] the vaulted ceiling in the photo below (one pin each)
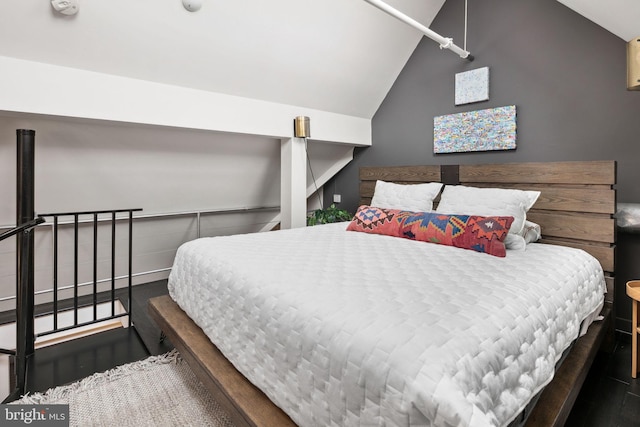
(332, 55)
(620, 17)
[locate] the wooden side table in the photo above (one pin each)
(633, 290)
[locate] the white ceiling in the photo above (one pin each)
(620, 17)
(333, 55)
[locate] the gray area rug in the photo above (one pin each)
(157, 391)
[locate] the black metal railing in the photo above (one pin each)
(21, 229)
(25, 305)
(92, 218)
(25, 292)
(25, 215)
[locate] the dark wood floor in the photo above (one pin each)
(609, 398)
(68, 362)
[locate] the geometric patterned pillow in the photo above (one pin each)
(478, 233)
(369, 219)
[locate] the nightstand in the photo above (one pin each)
(633, 290)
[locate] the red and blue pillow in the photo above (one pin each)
(478, 233)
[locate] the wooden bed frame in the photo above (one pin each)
(575, 208)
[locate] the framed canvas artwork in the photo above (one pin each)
(472, 86)
(482, 130)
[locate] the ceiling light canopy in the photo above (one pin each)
(192, 5)
(65, 7)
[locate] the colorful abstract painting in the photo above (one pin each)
(472, 86)
(481, 130)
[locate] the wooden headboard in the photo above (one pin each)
(575, 207)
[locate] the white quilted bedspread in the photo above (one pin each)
(350, 329)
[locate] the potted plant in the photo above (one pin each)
(328, 215)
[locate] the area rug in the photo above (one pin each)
(157, 391)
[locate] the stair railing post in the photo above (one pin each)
(25, 207)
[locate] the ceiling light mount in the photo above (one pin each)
(65, 7)
(192, 5)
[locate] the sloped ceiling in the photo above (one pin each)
(332, 55)
(620, 17)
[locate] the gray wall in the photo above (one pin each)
(565, 74)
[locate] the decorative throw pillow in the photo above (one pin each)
(369, 219)
(460, 199)
(408, 197)
(481, 234)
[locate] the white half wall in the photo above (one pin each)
(88, 165)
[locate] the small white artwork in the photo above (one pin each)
(472, 86)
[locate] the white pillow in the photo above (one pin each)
(406, 197)
(529, 234)
(515, 242)
(463, 200)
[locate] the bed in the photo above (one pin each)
(316, 339)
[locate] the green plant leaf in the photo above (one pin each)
(328, 215)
